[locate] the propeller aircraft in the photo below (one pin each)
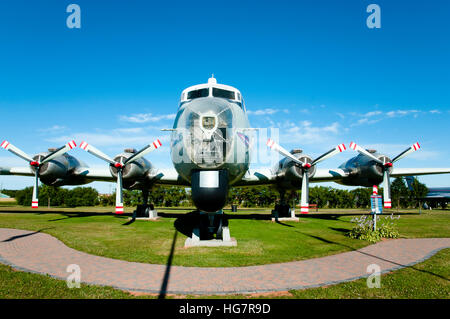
(210, 151)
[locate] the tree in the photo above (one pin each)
(23, 197)
(361, 197)
(82, 196)
(418, 191)
(399, 193)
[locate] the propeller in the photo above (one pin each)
(386, 165)
(37, 163)
(120, 166)
(305, 166)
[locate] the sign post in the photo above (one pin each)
(376, 203)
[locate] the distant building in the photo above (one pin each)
(6, 198)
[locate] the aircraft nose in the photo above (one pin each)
(206, 130)
(212, 113)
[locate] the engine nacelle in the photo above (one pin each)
(364, 171)
(291, 173)
(60, 171)
(53, 171)
(136, 170)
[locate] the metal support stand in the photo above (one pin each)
(283, 212)
(211, 230)
(145, 211)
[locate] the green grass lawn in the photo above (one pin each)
(260, 241)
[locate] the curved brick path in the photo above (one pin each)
(42, 253)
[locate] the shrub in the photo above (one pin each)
(386, 228)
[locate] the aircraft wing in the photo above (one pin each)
(160, 176)
(93, 174)
(266, 176)
(96, 174)
(396, 172)
(167, 176)
(263, 176)
(20, 171)
(328, 175)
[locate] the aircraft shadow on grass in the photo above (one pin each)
(25, 235)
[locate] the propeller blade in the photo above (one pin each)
(360, 150)
(304, 202)
(16, 151)
(96, 152)
(274, 146)
(338, 149)
(60, 151)
(147, 149)
(35, 198)
(406, 152)
(387, 189)
(119, 192)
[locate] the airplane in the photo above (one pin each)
(435, 196)
(211, 152)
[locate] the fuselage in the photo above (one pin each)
(210, 132)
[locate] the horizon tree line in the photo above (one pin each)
(249, 196)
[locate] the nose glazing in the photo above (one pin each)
(206, 139)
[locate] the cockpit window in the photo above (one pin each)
(198, 93)
(223, 94)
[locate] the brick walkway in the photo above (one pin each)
(42, 253)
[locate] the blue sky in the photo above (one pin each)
(311, 68)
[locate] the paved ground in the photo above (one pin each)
(42, 253)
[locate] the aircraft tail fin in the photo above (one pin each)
(409, 181)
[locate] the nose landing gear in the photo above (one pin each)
(211, 230)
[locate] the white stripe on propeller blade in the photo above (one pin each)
(386, 189)
(412, 149)
(157, 143)
(338, 149)
(4, 144)
(341, 147)
(149, 148)
(119, 193)
(72, 144)
(96, 152)
(35, 196)
(66, 147)
(304, 201)
(274, 146)
(360, 150)
(9, 147)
